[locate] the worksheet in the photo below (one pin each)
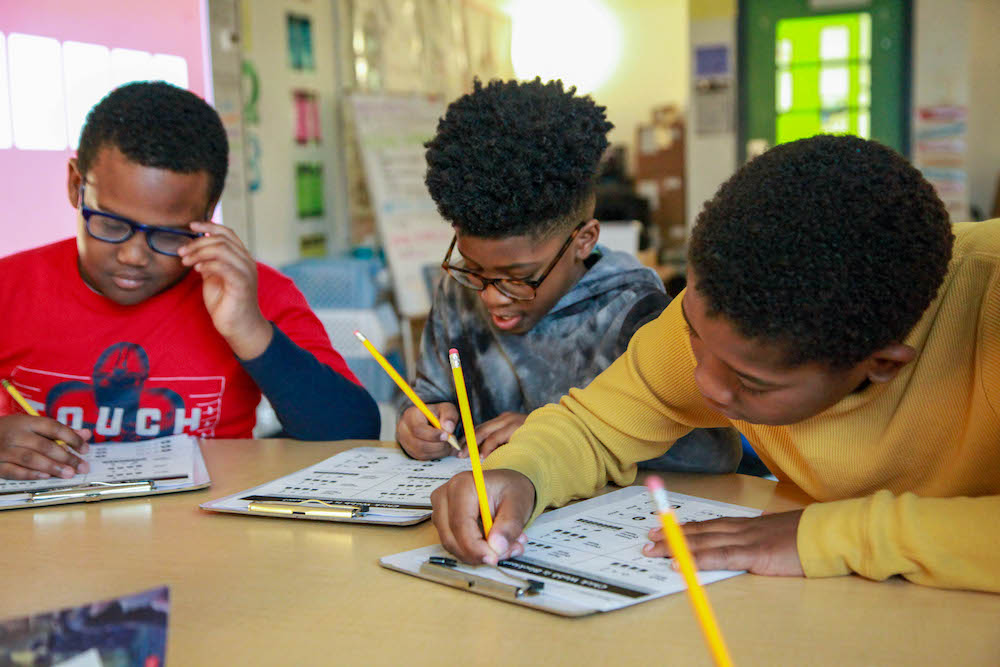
(388, 483)
(589, 555)
(170, 460)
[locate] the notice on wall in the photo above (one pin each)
(714, 108)
(391, 132)
(940, 135)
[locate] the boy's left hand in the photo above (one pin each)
(229, 288)
(496, 432)
(761, 545)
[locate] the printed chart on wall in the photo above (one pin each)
(391, 132)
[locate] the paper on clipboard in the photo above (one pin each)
(587, 555)
(117, 470)
(362, 485)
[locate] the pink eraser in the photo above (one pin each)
(453, 351)
(654, 483)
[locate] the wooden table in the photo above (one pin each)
(263, 591)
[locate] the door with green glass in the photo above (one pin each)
(816, 66)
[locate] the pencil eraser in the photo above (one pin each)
(654, 483)
(453, 351)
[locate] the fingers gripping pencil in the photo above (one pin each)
(12, 390)
(405, 387)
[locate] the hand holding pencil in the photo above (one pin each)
(447, 413)
(34, 447)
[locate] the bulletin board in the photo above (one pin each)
(391, 131)
(407, 61)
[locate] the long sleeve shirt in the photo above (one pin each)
(907, 473)
(583, 333)
(159, 367)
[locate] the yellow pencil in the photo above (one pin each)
(12, 390)
(470, 441)
(682, 555)
(410, 394)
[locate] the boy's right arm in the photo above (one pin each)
(433, 384)
(28, 450)
(421, 440)
(631, 412)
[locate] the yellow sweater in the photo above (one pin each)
(907, 472)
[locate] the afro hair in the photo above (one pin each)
(155, 124)
(516, 158)
(830, 247)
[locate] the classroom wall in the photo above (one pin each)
(955, 61)
(35, 206)
(653, 70)
(984, 99)
(277, 229)
(711, 158)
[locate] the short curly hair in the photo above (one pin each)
(830, 247)
(514, 158)
(155, 124)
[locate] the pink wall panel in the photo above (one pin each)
(35, 210)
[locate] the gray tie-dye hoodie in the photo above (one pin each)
(587, 329)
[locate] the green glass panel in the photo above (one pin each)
(818, 69)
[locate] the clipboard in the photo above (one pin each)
(580, 560)
(375, 485)
(186, 472)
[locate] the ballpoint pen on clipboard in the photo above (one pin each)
(682, 556)
(406, 389)
(470, 441)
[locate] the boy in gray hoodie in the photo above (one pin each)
(532, 303)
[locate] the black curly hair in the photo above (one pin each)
(514, 158)
(158, 125)
(830, 247)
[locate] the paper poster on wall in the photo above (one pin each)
(939, 152)
(391, 131)
(300, 50)
(713, 89)
(309, 189)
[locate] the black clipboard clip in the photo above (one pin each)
(308, 508)
(442, 570)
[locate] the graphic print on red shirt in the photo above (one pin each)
(135, 372)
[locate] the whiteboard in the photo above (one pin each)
(391, 131)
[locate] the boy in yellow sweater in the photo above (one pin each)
(835, 317)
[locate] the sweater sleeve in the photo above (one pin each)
(942, 542)
(633, 411)
(433, 381)
(312, 401)
(313, 392)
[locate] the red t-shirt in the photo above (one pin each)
(135, 372)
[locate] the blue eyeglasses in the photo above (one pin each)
(113, 228)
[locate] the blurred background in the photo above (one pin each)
(327, 104)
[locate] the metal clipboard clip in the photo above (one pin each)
(93, 491)
(309, 507)
(442, 570)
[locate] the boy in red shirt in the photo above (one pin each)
(115, 337)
